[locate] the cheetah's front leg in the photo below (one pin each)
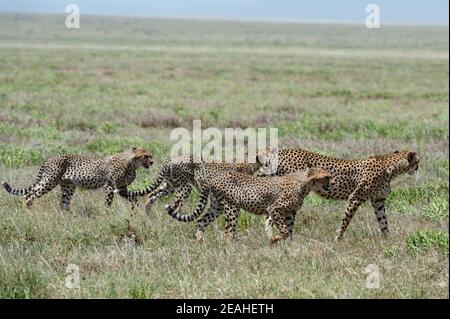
(278, 218)
(231, 215)
(290, 220)
(380, 212)
(358, 197)
(352, 207)
(109, 195)
(123, 192)
(268, 226)
(214, 211)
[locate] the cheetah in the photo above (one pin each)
(276, 197)
(178, 173)
(88, 171)
(357, 180)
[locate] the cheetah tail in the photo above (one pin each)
(26, 190)
(198, 210)
(17, 191)
(148, 189)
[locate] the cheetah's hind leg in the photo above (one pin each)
(43, 187)
(67, 191)
(162, 191)
(181, 199)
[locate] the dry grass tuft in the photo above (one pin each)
(158, 121)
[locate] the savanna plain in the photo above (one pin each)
(339, 90)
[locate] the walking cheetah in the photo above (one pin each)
(356, 180)
(178, 174)
(277, 197)
(72, 170)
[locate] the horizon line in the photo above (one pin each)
(234, 19)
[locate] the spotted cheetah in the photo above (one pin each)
(357, 180)
(91, 172)
(368, 178)
(276, 197)
(178, 173)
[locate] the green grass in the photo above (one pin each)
(424, 240)
(430, 199)
(340, 90)
(16, 155)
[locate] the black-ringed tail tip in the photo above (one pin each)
(168, 208)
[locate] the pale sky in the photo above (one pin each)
(391, 11)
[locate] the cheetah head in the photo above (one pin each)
(268, 162)
(319, 178)
(405, 162)
(413, 162)
(142, 157)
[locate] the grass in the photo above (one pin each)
(340, 90)
(424, 240)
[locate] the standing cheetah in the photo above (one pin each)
(72, 170)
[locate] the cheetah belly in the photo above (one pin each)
(339, 189)
(255, 201)
(87, 177)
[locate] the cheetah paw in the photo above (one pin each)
(169, 208)
(199, 235)
(275, 239)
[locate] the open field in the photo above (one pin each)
(341, 90)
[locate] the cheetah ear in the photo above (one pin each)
(411, 156)
(134, 148)
(396, 152)
(262, 157)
